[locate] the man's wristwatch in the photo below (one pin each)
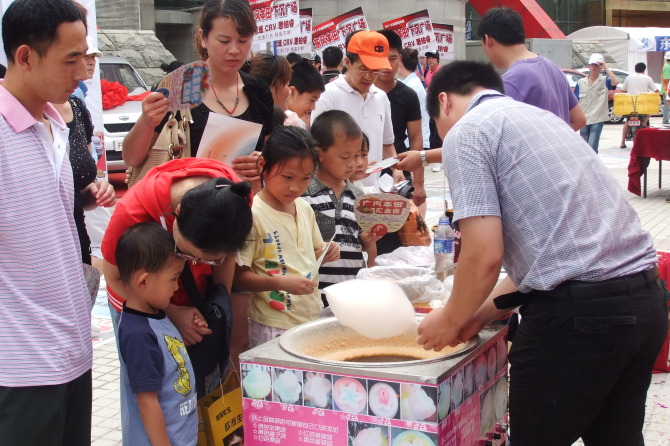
(424, 161)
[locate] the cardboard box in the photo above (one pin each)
(643, 104)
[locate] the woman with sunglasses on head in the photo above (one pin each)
(223, 41)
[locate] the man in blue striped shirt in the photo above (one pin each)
(529, 194)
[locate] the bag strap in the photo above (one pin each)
(191, 288)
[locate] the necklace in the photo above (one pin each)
(237, 99)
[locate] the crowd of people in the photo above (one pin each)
(250, 232)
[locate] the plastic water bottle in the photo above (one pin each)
(443, 245)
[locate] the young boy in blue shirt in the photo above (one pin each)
(159, 372)
(332, 196)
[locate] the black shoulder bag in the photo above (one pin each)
(211, 354)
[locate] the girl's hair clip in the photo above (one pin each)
(221, 186)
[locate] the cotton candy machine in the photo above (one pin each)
(321, 383)
(328, 342)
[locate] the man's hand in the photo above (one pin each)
(410, 160)
(436, 331)
(419, 196)
(184, 317)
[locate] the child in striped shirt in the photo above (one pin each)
(332, 196)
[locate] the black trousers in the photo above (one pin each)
(581, 361)
(57, 415)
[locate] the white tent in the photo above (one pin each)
(628, 46)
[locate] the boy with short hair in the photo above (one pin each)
(159, 372)
(332, 196)
(305, 87)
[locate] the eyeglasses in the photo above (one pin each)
(195, 260)
(373, 73)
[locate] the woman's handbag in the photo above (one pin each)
(173, 142)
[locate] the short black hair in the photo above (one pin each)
(333, 122)
(3, 70)
(143, 246)
(503, 24)
(353, 57)
(640, 67)
(461, 77)
(293, 58)
(216, 216)
(409, 58)
(35, 23)
(170, 67)
(395, 42)
(306, 78)
(332, 56)
(288, 142)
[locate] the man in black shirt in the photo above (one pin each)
(406, 119)
(332, 62)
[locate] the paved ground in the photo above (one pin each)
(654, 214)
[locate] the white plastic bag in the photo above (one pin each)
(375, 309)
(408, 256)
(419, 284)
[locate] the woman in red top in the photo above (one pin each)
(207, 209)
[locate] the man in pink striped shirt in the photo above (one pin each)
(45, 372)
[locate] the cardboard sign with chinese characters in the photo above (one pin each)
(298, 44)
(444, 35)
(415, 30)
(278, 19)
(381, 213)
(333, 32)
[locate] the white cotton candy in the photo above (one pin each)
(375, 309)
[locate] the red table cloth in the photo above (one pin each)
(649, 143)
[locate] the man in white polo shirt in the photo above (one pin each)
(635, 84)
(355, 93)
(45, 323)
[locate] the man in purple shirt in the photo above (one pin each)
(529, 78)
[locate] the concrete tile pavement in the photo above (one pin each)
(655, 217)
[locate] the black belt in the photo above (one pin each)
(577, 289)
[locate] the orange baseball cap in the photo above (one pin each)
(372, 48)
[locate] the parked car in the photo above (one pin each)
(119, 120)
(621, 75)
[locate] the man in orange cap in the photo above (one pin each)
(366, 57)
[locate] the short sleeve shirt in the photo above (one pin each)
(405, 108)
(372, 113)
(563, 215)
(282, 245)
(157, 361)
(539, 82)
(638, 83)
(335, 217)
